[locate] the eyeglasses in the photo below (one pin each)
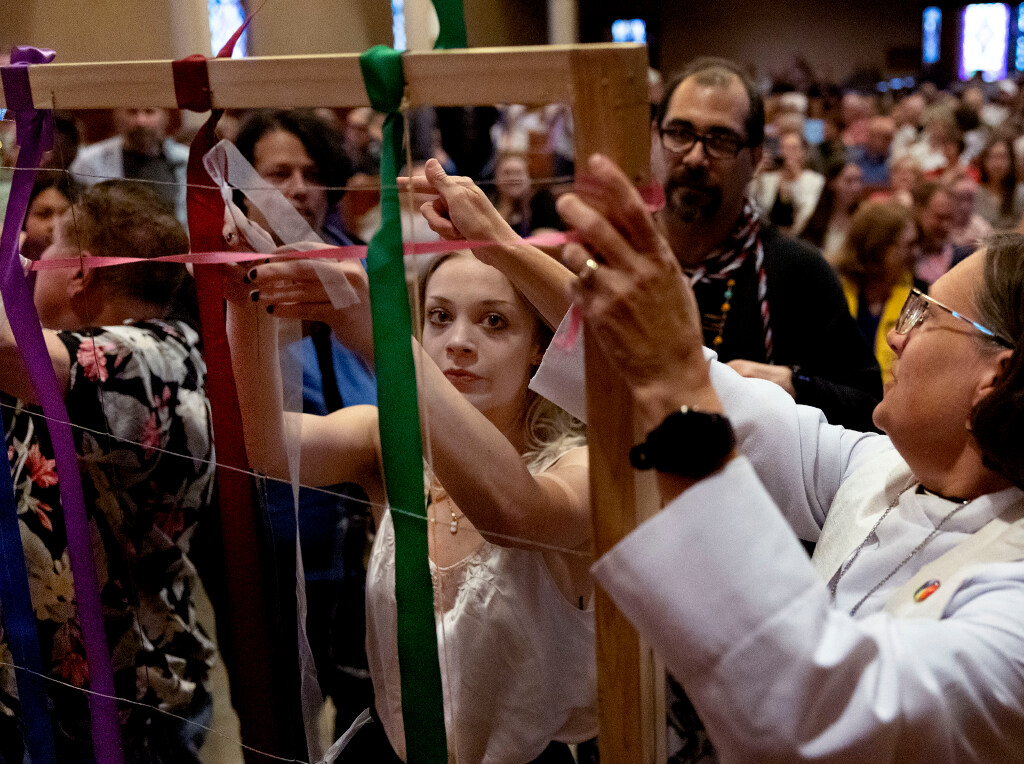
(916, 308)
(718, 144)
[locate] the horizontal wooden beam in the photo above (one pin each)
(529, 75)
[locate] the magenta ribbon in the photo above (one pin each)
(343, 252)
(35, 135)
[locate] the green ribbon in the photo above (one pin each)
(402, 449)
(452, 24)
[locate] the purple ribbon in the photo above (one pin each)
(35, 134)
(18, 94)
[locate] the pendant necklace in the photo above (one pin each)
(846, 565)
(437, 501)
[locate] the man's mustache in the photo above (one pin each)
(689, 195)
(691, 177)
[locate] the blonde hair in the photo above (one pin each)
(549, 430)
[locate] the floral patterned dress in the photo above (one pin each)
(142, 431)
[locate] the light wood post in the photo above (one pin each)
(611, 116)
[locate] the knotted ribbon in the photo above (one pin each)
(35, 135)
(250, 630)
(399, 420)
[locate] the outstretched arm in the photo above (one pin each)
(478, 466)
(642, 311)
(487, 478)
(461, 211)
(14, 378)
(719, 586)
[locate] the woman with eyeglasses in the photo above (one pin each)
(876, 266)
(903, 638)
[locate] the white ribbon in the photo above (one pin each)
(230, 170)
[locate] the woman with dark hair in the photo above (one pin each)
(507, 511)
(903, 638)
(305, 158)
(52, 195)
(526, 209)
(876, 266)
(1000, 198)
(830, 220)
(789, 195)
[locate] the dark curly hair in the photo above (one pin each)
(998, 419)
(323, 143)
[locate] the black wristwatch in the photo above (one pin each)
(688, 443)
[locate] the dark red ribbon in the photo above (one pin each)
(250, 632)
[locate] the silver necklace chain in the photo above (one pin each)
(849, 563)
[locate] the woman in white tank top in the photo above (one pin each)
(509, 516)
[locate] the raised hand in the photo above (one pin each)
(295, 289)
(458, 209)
(634, 296)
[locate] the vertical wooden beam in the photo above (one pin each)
(612, 116)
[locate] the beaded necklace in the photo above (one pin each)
(849, 563)
(714, 324)
(722, 263)
(439, 498)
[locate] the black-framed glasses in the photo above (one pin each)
(916, 308)
(718, 144)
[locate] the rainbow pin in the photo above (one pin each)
(926, 590)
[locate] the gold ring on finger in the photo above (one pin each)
(588, 270)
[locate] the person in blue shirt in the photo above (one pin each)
(873, 156)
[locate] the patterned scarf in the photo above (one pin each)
(744, 240)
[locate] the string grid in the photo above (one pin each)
(412, 210)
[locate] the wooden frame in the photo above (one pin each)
(606, 86)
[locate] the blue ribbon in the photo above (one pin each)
(20, 626)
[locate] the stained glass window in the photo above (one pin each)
(986, 28)
(225, 17)
(629, 30)
(398, 23)
(932, 34)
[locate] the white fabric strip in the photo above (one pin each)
(230, 170)
(228, 167)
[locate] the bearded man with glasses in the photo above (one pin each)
(770, 306)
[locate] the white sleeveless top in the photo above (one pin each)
(518, 666)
